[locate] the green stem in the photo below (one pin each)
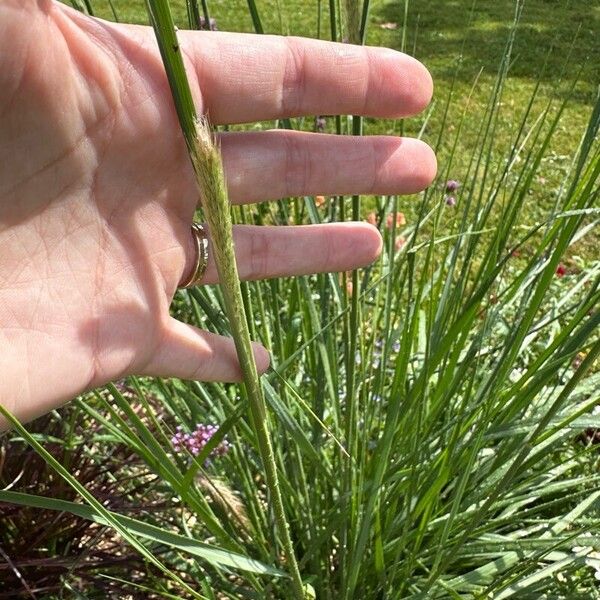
(355, 21)
(208, 167)
(206, 160)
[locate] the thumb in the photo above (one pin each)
(187, 352)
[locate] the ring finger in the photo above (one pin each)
(266, 252)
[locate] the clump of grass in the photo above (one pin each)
(444, 458)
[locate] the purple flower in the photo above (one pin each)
(452, 185)
(212, 24)
(450, 200)
(320, 124)
(195, 441)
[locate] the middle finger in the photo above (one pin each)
(275, 164)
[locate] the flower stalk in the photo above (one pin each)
(211, 181)
(208, 167)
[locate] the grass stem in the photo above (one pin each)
(208, 167)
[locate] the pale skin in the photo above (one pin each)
(97, 193)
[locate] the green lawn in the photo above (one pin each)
(462, 43)
(557, 40)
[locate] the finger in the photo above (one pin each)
(187, 352)
(265, 252)
(249, 78)
(266, 165)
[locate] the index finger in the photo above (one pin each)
(245, 77)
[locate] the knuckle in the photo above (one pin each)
(258, 264)
(427, 169)
(205, 367)
(298, 165)
(294, 83)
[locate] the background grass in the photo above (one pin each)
(556, 54)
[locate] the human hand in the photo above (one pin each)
(97, 193)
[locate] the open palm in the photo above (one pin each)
(97, 194)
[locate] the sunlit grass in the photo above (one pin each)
(461, 42)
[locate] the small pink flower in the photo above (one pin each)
(452, 185)
(561, 270)
(195, 441)
(211, 26)
(371, 218)
(400, 220)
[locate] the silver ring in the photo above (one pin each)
(201, 245)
